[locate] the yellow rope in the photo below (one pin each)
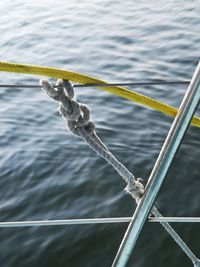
(84, 79)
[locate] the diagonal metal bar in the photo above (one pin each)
(161, 167)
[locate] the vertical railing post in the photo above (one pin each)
(160, 169)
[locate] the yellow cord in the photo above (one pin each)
(84, 79)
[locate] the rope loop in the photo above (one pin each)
(69, 90)
(76, 114)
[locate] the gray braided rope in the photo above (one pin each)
(177, 238)
(78, 120)
(79, 123)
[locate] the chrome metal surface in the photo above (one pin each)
(161, 167)
(66, 222)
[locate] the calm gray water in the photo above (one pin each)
(46, 173)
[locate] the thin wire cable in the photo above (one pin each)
(65, 222)
(95, 221)
(100, 84)
(80, 78)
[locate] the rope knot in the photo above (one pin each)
(71, 111)
(77, 114)
(135, 188)
(69, 107)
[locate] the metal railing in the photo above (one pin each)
(158, 174)
(172, 142)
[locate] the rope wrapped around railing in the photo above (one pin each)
(79, 123)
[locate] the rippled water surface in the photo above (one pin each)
(47, 173)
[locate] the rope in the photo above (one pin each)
(79, 123)
(80, 78)
(177, 239)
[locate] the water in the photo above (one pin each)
(46, 173)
